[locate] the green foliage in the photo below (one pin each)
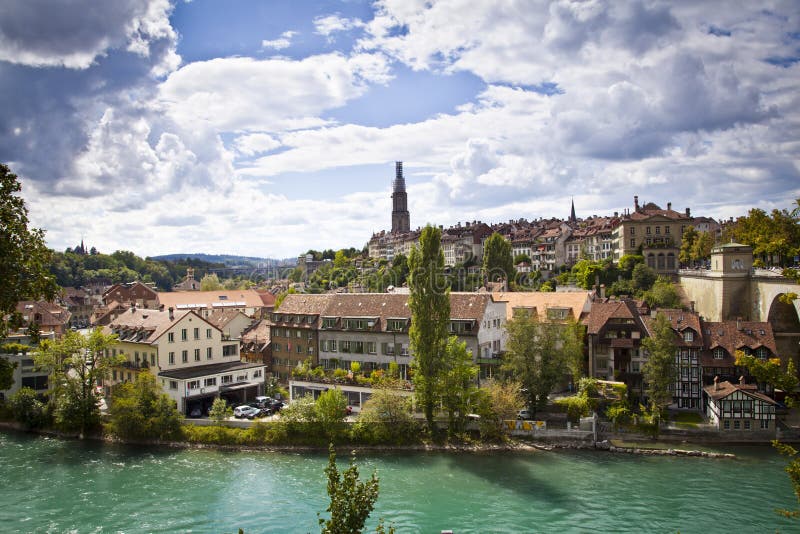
(659, 371)
(775, 238)
(521, 258)
(458, 384)
(663, 294)
(24, 257)
(548, 286)
(535, 356)
(76, 365)
(498, 401)
(429, 302)
(140, 410)
(27, 409)
(210, 282)
(619, 414)
(6, 373)
(386, 418)
(793, 470)
(220, 411)
(628, 262)
(769, 371)
(497, 260)
(351, 499)
(577, 406)
(643, 277)
(300, 410)
(330, 411)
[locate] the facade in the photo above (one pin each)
(25, 373)
(48, 316)
(136, 293)
(232, 322)
(205, 303)
(79, 304)
(335, 330)
(186, 353)
(657, 231)
(724, 338)
(739, 407)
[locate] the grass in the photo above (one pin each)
(686, 419)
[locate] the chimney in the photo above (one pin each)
(602, 291)
(616, 214)
(669, 206)
(688, 212)
(741, 380)
(691, 306)
(171, 313)
(739, 324)
(716, 383)
(636, 202)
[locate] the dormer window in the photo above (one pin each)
(688, 336)
(719, 353)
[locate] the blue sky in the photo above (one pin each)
(267, 128)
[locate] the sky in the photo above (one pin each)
(266, 128)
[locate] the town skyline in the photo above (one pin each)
(265, 130)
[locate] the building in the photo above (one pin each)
(25, 374)
(401, 219)
(614, 332)
(257, 344)
(248, 301)
(79, 304)
(187, 354)
(724, 338)
(188, 283)
(231, 321)
(657, 232)
(135, 293)
(739, 406)
(48, 317)
(335, 330)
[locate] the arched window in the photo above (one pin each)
(651, 261)
(670, 261)
(661, 262)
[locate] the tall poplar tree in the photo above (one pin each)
(660, 372)
(429, 301)
(498, 261)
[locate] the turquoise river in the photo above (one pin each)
(51, 485)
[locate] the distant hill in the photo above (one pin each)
(229, 260)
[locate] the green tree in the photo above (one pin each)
(521, 258)
(659, 371)
(140, 410)
(498, 401)
(6, 373)
(77, 364)
(793, 470)
(571, 346)
(688, 239)
(28, 409)
(24, 257)
(534, 357)
(769, 371)
(628, 263)
(643, 277)
(498, 263)
(351, 499)
(701, 248)
(386, 417)
(302, 410)
(458, 384)
(663, 294)
(210, 282)
(429, 301)
(340, 260)
(331, 409)
(220, 410)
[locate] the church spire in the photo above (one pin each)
(401, 219)
(572, 217)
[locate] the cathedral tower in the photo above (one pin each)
(401, 220)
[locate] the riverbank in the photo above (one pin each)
(648, 448)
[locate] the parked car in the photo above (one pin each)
(262, 412)
(276, 405)
(262, 402)
(525, 415)
(195, 412)
(245, 411)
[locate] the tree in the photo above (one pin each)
(628, 262)
(498, 263)
(659, 371)
(498, 401)
(643, 277)
(6, 373)
(534, 357)
(77, 364)
(386, 417)
(220, 410)
(351, 499)
(458, 384)
(24, 257)
(340, 260)
(663, 294)
(769, 371)
(429, 301)
(793, 470)
(210, 282)
(28, 409)
(331, 409)
(688, 239)
(140, 410)
(572, 337)
(701, 249)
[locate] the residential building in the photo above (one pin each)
(724, 338)
(739, 407)
(205, 303)
(47, 316)
(79, 304)
(231, 321)
(25, 374)
(135, 293)
(256, 344)
(294, 329)
(187, 354)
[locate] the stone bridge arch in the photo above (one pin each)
(783, 316)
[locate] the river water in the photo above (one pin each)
(50, 485)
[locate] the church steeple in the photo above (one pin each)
(572, 217)
(401, 219)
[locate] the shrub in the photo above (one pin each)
(28, 409)
(577, 406)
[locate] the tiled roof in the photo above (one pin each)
(726, 335)
(51, 314)
(220, 318)
(603, 311)
(576, 301)
(249, 297)
(726, 388)
(305, 304)
(259, 332)
(681, 321)
(145, 326)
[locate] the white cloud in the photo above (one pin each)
(284, 41)
(250, 145)
(329, 24)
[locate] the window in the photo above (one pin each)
(764, 424)
(737, 425)
(726, 425)
(719, 353)
(229, 350)
(329, 322)
(658, 230)
(210, 382)
(173, 384)
(299, 348)
(633, 242)
(648, 231)
(666, 230)
(227, 379)
(152, 359)
(208, 333)
(762, 353)
(194, 384)
(299, 333)
(688, 336)
(345, 346)
(257, 373)
(395, 325)
(209, 353)
(747, 424)
(371, 347)
(183, 334)
(172, 358)
(171, 337)
(197, 355)
(197, 333)
(185, 356)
